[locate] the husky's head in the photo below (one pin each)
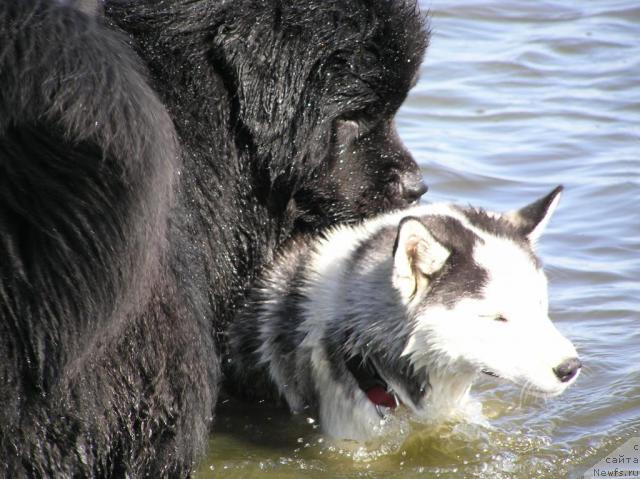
(478, 298)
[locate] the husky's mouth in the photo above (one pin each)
(371, 383)
(490, 373)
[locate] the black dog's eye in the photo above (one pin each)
(346, 131)
(500, 318)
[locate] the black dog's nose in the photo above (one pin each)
(567, 369)
(413, 187)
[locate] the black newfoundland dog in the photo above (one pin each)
(152, 159)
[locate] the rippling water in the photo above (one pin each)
(515, 97)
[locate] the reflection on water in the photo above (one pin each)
(514, 98)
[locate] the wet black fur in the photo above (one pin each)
(136, 207)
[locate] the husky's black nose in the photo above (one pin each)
(413, 187)
(567, 369)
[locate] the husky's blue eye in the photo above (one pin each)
(500, 318)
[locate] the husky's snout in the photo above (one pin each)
(568, 369)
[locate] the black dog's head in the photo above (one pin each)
(319, 83)
(311, 89)
(369, 65)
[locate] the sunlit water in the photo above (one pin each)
(514, 98)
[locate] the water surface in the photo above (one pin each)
(514, 98)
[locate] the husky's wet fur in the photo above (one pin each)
(406, 309)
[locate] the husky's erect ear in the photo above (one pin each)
(532, 219)
(416, 256)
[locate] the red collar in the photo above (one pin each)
(381, 397)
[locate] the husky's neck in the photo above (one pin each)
(448, 392)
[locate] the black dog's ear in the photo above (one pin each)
(533, 218)
(416, 256)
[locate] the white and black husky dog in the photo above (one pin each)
(405, 309)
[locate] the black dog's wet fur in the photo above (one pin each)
(135, 207)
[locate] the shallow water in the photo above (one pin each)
(514, 98)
